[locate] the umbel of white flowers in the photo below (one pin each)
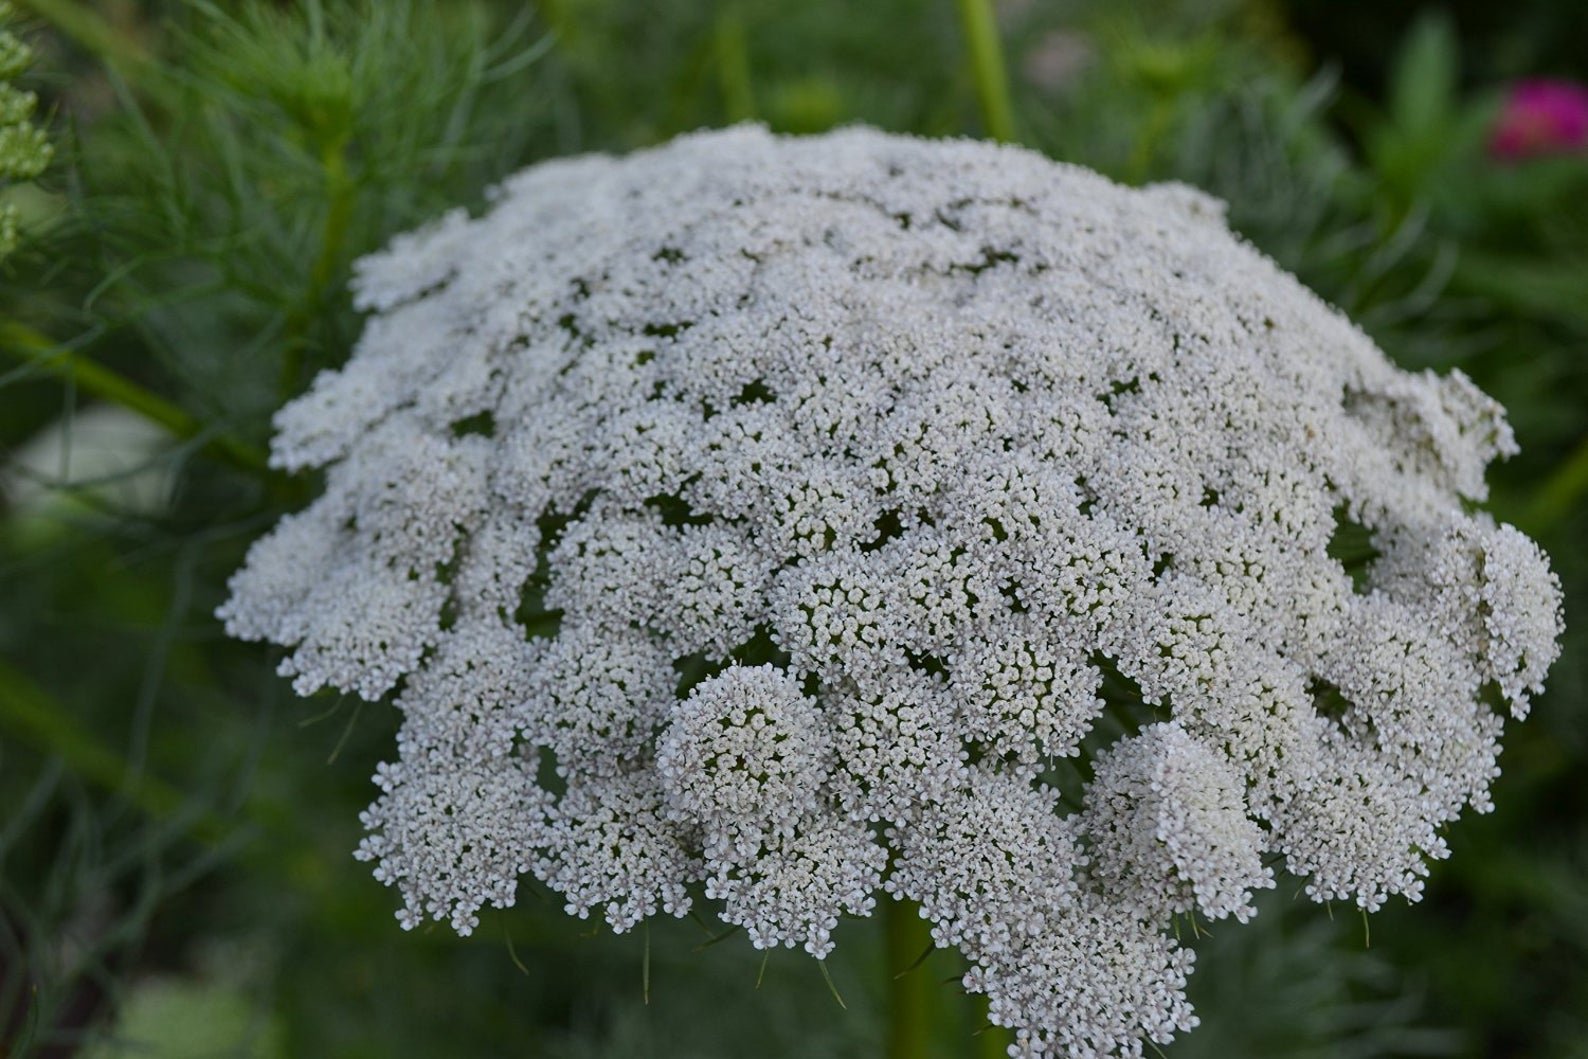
(779, 521)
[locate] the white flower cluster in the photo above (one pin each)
(1169, 829)
(784, 520)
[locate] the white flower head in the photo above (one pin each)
(795, 510)
(1170, 828)
(744, 757)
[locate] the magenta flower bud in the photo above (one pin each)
(1541, 117)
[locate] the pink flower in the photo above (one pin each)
(1541, 116)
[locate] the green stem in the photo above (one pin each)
(910, 989)
(733, 66)
(333, 238)
(987, 66)
(1560, 491)
(1139, 167)
(992, 1042)
(37, 350)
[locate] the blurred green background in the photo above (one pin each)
(176, 827)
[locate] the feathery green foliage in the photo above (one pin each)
(228, 206)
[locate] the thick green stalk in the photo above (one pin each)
(987, 66)
(911, 988)
(37, 350)
(992, 1042)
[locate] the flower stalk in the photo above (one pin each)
(992, 1042)
(910, 987)
(339, 194)
(987, 67)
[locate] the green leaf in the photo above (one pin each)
(1423, 82)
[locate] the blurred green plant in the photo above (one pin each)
(215, 198)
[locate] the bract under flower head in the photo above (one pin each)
(779, 520)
